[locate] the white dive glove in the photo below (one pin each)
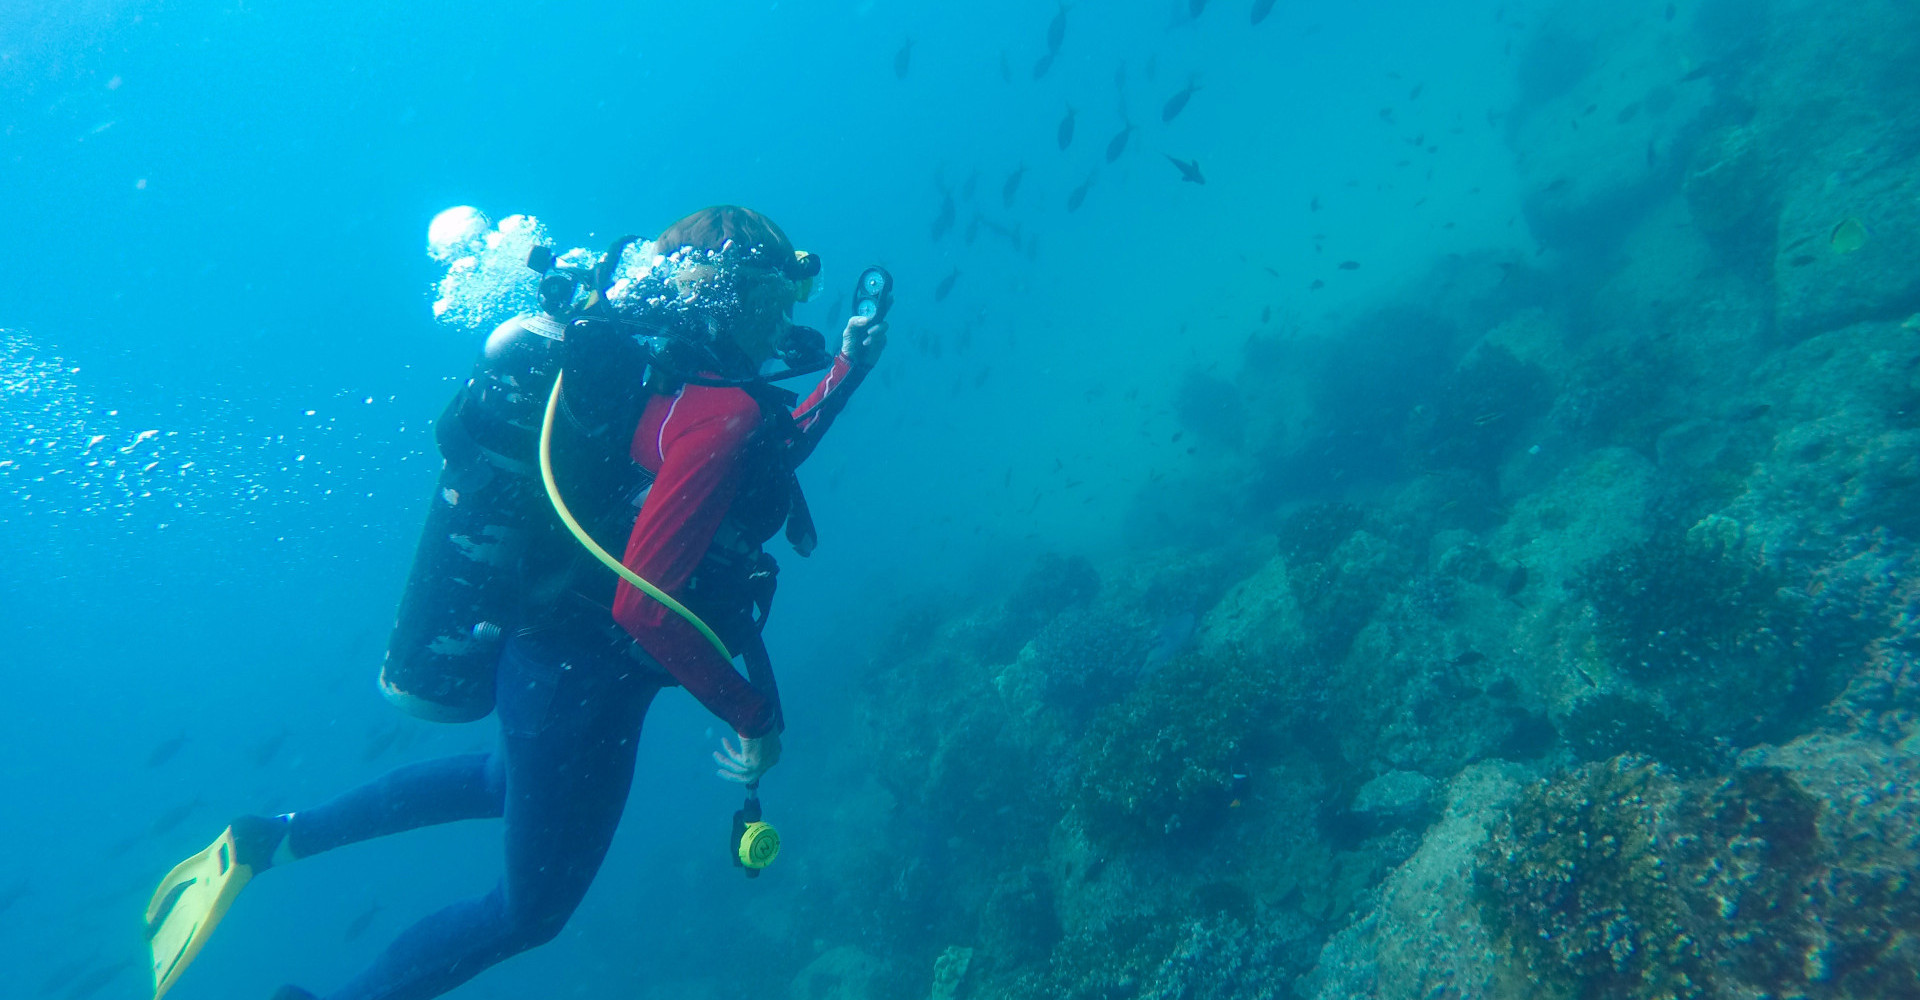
(745, 763)
(863, 341)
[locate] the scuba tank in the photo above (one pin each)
(465, 584)
(486, 555)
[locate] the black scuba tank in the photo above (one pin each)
(489, 505)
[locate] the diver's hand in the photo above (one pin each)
(745, 763)
(863, 341)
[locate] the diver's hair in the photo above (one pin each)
(749, 300)
(728, 227)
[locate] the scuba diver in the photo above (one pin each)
(634, 413)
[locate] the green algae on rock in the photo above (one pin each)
(1573, 887)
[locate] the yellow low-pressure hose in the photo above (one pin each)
(566, 517)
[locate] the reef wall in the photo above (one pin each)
(1566, 650)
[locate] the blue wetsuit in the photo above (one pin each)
(569, 728)
(571, 702)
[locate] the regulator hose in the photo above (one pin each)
(593, 547)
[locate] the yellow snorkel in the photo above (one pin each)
(586, 540)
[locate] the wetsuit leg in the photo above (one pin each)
(470, 786)
(569, 732)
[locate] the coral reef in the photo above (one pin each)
(1550, 630)
(1479, 411)
(1054, 584)
(1160, 764)
(1621, 881)
(1713, 634)
(1602, 116)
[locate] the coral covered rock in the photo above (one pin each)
(1789, 875)
(1605, 99)
(1715, 633)
(1846, 456)
(1160, 763)
(1847, 245)
(1423, 937)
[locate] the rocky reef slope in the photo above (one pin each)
(1574, 657)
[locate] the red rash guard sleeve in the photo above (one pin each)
(699, 446)
(816, 413)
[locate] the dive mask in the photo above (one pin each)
(804, 275)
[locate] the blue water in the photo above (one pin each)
(215, 217)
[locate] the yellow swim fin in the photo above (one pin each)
(188, 905)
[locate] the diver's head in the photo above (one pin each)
(743, 262)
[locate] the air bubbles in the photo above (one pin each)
(460, 231)
(487, 277)
(70, 459)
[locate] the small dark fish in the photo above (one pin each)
(166, 821)
(1170, 639)
(1006, 69)
(1196, 7)
(1065, 132)
(1349, 265)
(1057, 31)
(1178, 102)
(93, 982)
(264, 751)
(1651, 154)
(66, 974)
(1266, 314)
(360, 923)
(1468, 658)
(1261, 8)
(1802, 260)
(1079, 194)
(380, 742)
(903, 59)
(1317, 285)
(1118, 144)
(943, 223)
(1671, 10)
(973, 230)
(1189, 169)
(1418, 89)
(945, 287)
(1120, 78)
(1012, 186)
(1042, 65)
(1314, 205)
(166, 750)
